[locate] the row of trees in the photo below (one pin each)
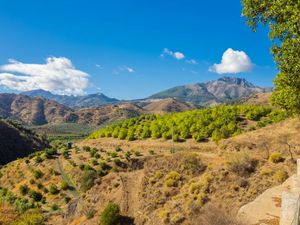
(216, 123)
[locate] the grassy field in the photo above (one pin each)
(65, 131)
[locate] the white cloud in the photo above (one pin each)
(99, 66)
(191, 61)
(57, 75)
(233, 62)
(122, 69)
(176, 55)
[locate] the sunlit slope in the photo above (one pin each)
(203, 124)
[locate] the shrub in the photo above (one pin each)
(86, 148)
(24, 189)
(50, 152)
(276, 157)
(114, 155)
(38, 174)
(36, 196)
(87, 179)
(242, 164)
(55, 207)
(30, 217)
(281, 175)
(53, 189)
(67, 199)
(172, 179)
(90, 213)
(64, 185)
(110, 215)
(38, 159)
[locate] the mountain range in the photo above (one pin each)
(212, 92)
(39, 107)
(199, 94)
(92, 100)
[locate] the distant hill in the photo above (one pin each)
(212, 92)
(256, 99)
(31, 111)
(92, 100)
(168, 105)
(17, 141)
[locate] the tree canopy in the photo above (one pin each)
(215, 123)
(283, 19)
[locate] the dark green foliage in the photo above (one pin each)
(110, 215)
(24, 189)
(67, 199)
(55, 207)
(66, 154)
(38, 159)
(216, 123)
(53, 189)
(38, 174)
(36, 196)
(50, 153)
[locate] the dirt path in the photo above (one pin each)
(67, 179)
(132, 183)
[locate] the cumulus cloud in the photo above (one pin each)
(57, 75)
(233, 62)
(176, 55)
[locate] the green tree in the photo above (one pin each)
(283, 18)
(110, 215)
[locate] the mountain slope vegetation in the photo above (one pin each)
(16, 141)
(215, 123)
(150, 187)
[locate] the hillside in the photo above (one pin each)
(31, 111)
(168, 105)
(92, 100)
(212, 92)
(202, 124)
(256, 99)
(17, 141)
(37, 111)
(151, 185)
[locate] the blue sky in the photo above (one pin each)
(116, 46)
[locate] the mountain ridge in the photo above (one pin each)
(212, 92)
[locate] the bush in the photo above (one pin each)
(242, 164)
(281, 175)
(172, 179)
(30, 217)
(55, 207)
(38, 159)
(110, 215)
(87, 179)
(86, 148)
(53, 189)
(38, 174)
(64, 185)
(90, 213)
(36, 196)
(276, 157)
(50, 152)
(24, 189)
